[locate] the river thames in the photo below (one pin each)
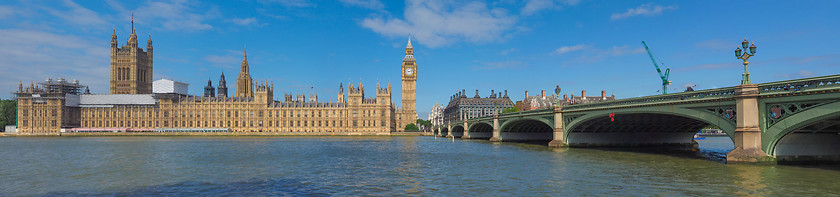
(381, 166)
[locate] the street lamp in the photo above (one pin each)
(745, 79)
(557, 96)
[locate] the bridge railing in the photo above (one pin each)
(823, 82)
(515, 114)
(682, 96)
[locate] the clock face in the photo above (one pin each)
(409, 71)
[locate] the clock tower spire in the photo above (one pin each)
(408, 114)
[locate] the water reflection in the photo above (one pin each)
(380, 166)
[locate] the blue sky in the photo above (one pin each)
(501, 45)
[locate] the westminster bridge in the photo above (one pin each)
(794, 120)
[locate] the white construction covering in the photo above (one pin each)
(109, 100)
(162, 86)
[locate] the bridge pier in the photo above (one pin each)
(496, 132)
(466, 131)
(558, 138)
(747, 132)
(449, 131)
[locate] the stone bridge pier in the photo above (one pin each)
(558, 135)
(747, 132)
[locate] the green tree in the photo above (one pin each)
(411, 127)
(8, 113)
(422, 122)
(511, 110)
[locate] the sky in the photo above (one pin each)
(306, 45)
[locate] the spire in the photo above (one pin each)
(149, 42)
(132, 22)
(114, 35)
(244, 68)
(409, 42)
(340, 88)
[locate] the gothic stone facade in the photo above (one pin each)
(132, 106)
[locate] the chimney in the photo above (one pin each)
(506, 94)
(526, 94)
(476, 94)
(566, 97)
(583, 94)
(603, 95)
(542, 93)
(492, 93)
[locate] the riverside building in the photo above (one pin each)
(461, 107)
(136, 104)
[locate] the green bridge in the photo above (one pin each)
(795, 120)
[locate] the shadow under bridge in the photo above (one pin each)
(526, 130)
(635, 130)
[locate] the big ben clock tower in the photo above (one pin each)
(409, 87)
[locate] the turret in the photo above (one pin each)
(341, 93)
(209, 91)
(222, 90)
(114, 40)
(264, 93)
(149, 46)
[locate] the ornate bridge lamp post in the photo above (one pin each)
(745, 79)
(557, 96)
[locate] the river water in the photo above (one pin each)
(381, 166)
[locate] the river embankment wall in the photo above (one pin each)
(93, 134)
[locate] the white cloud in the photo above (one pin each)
(291, 3)
(36, 55)
(505, 52)
(594, 54)
(175, 15)
(796, 75)
(643, 10)
(6, 11)
(247, 22)
(500, 65)
(438, 23)
(534, 6)
(717, 44)
(77, 14)
(625, 50)
(369, 4)
(566, 49)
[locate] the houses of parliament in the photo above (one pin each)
(136, 103)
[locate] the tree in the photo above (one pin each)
(8, 113)
(511, 110)
(422, 122)
(411, 127)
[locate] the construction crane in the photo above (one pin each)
(663, 76)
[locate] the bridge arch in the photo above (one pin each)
(813, 134)
(457, 131)
(481, 130)
(526, 129)
(642, 127)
